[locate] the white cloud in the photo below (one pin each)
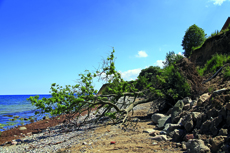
(141, 54)
(218, 2)
(130, 74)
(159, 63)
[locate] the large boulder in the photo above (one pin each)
(177, 109)
(188, 123)
(155, 117)
(196, 146)
(162, 121)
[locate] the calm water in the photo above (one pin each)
(17, 105)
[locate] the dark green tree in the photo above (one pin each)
(194, 36)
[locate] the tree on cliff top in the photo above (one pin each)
(194, 36)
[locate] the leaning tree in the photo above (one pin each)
(73, 100)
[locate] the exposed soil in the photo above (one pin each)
(126, 139)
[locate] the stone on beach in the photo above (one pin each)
(160, 138)
(22, 128)
(155, 117)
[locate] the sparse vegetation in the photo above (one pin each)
(226, 72)
(217, 61)
(227, 29)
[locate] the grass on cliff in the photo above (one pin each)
(212, 65)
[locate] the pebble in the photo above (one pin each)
(50, 141)
(55, 139)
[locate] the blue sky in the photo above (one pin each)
(43, 42)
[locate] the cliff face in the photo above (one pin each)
(218, 44)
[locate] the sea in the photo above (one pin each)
(17, 105)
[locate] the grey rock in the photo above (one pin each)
(193, 103)
(183, 145)
(163, 121)
(178, 135)
(155, 117)
(212, 113)
(223, 132)
(159, 138)
(148, 130)
(171, 127)
(217, 142)
(199, 120)
(223, 112)
(196, 146)
(188, 122)
(202, 99)
(177, 109)
(169, 111)
(205, 126)
(228, 118)
(195, 116)
(186, 107)
(215, 123)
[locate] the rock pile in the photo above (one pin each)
(200, 125)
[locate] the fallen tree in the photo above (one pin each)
(81, 97)
(167, 85)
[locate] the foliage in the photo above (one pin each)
(212, 65)
(171, 58)
(227, 72)
(194, 36)
(147, 76)
(173, 86)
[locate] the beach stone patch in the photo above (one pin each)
(22, 128)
